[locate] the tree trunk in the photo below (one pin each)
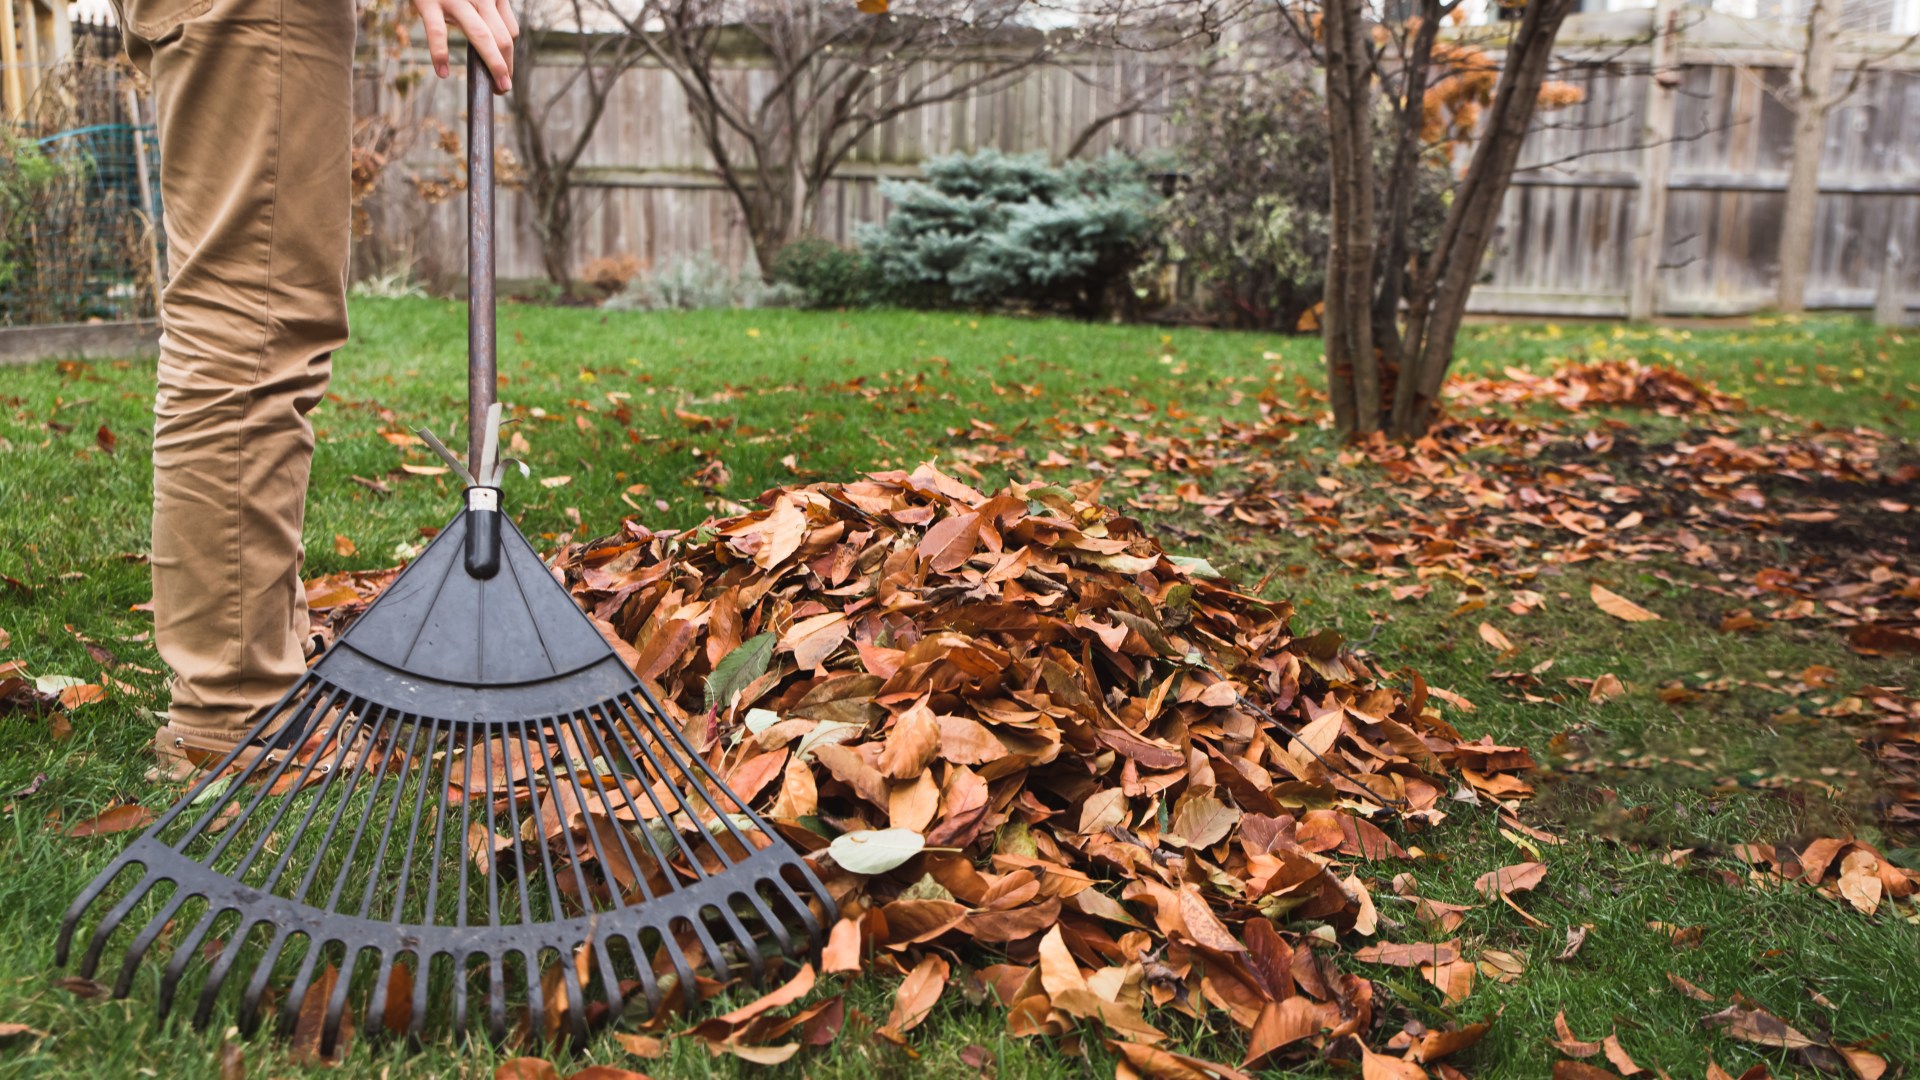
(1440, 299)
(1401, 184)
(1813, 97)
(1353, 369)
(556, 234)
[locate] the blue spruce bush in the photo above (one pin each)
(989, 228)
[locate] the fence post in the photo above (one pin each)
(1656, 159)
(143, 174)
(13, 95)
(1890, 299)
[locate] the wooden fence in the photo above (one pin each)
(1660, 193)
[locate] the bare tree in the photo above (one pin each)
(582, 82)
(840, 73)
(1811, 95)
(1385, 373)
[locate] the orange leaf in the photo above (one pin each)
(1519, 877)
(1619, 606)
(526, 1068)
(950, 543)
(794, 989)
(1382, 1067)
(842, 953)
(918, 993)
(122, 818)
(1492, 636)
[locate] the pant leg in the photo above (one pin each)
(254, 102)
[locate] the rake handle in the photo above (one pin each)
(483, 503)
(482, 371)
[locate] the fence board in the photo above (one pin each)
(1565, 242)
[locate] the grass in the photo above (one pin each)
(631, 408)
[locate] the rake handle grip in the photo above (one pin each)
(482, 374)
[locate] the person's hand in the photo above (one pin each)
(489, 26)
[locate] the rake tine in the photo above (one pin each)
(576, 997)
(340, 804)
(539, 829)
(340, 750)
(800, 907)
(286, 804)
(756, 965)
(423, 973)
(639, 871)
(145, 940)
(715, 958)
(212, 775)
(679, 796)
(681, 968)
(302, 982)
(774, 926)
(664, 816)
(461, 977)
(360, 829)
(520, 862)
(237, 786)
(374, 877)
(712, 777)
(91, 961)
(493, 857)
(496, 997)
(217, 976)
(377, 1004)
(337, 1004)
(71, 920)
(183, 955)
(257, 983)
(426, 774)
(609, 978)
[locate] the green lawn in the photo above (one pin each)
(671, 417)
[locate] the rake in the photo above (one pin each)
(469, 796)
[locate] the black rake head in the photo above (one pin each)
(469, 798)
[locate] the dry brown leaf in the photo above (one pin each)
(116, 819)
(1520, 877)
(1860, 881)
(1688, 988)
(1580, 1070)
(1619, 606)
(1617, 1054)
(1758, 1026)
(1381, 1067)
(1492, 636)
(918, 993)
(1409, 954)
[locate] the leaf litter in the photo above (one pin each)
(1141, 787)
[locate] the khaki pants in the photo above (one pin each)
(254, 99)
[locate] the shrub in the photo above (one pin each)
(1248, 222)
(610, 273)
(826, 274)
(990, 228)
(699, 282)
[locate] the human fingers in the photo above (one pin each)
(481, 37)
(435, 24)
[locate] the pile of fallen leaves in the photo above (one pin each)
(1039, 761)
